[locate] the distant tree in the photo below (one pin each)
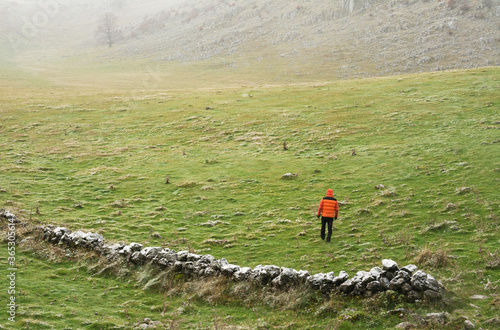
(107, 29)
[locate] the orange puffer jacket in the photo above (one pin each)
(328, 207)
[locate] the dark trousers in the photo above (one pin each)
(324, 222)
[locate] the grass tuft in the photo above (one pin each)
(433, 258)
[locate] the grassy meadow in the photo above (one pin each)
(99, 160)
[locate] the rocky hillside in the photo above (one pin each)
(344, 38)
(354, 38)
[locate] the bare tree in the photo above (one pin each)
(107, 29)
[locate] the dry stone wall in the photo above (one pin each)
(407, 280)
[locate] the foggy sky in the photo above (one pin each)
(27, 24)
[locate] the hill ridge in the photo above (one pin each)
(300, 40)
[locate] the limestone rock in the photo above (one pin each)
(374, 286)
(384, 282)
(188, 268)
(437, 318)
(287, 276)
(410, 269)
(303, 275)
(150, 252)
(469, 325)
(228, 270)
(432, 295)
(347, 286)
(182, 255)
(135, 247)
(396, 284)
(111, 250)
(137, 258)
(242, 274)
(207, 259)
(316, 280)
(288, 176)
(6, 214)
(341, 278)
(422, 281)
(493, 322)
(389, 265)
(193, 257)
(406, 326)
(413, 295)
(399, 311)
(376, 272)
(266, 274)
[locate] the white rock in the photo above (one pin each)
(388, 264)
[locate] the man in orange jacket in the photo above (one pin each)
(328, 210)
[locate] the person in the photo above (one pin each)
(328, 210)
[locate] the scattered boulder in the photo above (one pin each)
(413, 295)
(437, 318)
(492, 322)
(406, 326)
(462, 190)
(469, 325)
(431, 295)
(147, 323)
(399, 312)
(288, 176)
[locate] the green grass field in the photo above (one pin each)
(98, 159)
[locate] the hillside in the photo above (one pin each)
(381, 38)
(413, 161)
(214, 128)
(254, 41)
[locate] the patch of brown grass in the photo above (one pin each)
(437, 258)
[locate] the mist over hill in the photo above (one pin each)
(305, 39)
